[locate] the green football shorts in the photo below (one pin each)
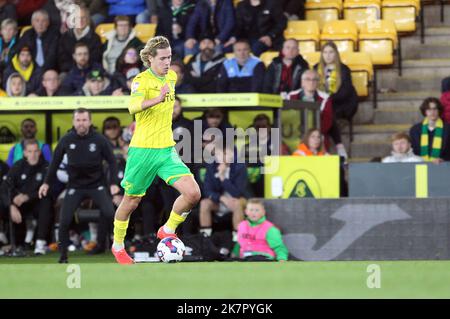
(143, 164)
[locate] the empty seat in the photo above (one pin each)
(307, 33)
(379, 39)
(343, 33)
(102, 29)
(402, 12)
(361, 11)
(361, 67)
(145, 31)
(268, 56)
(312, 58)
(323, 11)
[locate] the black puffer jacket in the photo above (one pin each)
(272, 79)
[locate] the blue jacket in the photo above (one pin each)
(128, 7)
(199, 24)
(235, 185)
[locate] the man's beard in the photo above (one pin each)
(207, 54)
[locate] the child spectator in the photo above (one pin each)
(15, 85)
(401, 150)
(312, 144)
(259, 239)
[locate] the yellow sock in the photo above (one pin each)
(174, 220)
(120, 230)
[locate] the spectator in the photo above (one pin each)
(310, 93)
(203, 69)
(125, 8)
(2, 92)
(42, 40)
(214, 118)
(181, 87)
(225, 188)
(445, 85)
(259, 239)
(212, 18)
(284, 73)
(25, 9)
(22, 184)
(15, 85)
(336, 80)
(113, 132)
(243, 73)
(173, 17)
(182, 129)
(4, 206)
(445, 101)
(8, 41)
(51, 85)
(81, 32)
(129, 59)
(7, 11)
(98, 10)
(122, 37)
(76, 77)
(125, 84)
(86, 150)
(293, 9)
(28, 128)
(401, 150)
(150, 14)
(262, 22)
(312, 144)
(98, 84)
(430, 138)
(23, 64)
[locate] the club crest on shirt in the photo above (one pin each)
(172, 84)
(134, 87)
(92, 147)
(39, 177)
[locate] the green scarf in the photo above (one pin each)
(437, 141)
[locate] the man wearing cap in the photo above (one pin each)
(23, 64)
(96, 84)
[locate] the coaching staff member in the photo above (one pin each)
(86, 150)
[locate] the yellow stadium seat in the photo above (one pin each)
(312, 58)
(307, 34)
(343, 33)
(402, 12)
(187, 58)
(268, 56)
(361, 67)
(323, 11)
(4, 151)
(145, 31)
(379, 39)
(235, 2)
(229, 55)
(25, 28)
(102, 29)
(362, 11)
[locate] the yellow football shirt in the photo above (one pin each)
(154, 125)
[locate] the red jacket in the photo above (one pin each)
(445, 100)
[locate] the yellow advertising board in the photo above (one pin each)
(301, 177)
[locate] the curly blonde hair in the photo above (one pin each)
(151, 48)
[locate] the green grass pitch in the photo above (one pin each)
(100, 277)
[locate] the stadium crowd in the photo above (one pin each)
(62, 55)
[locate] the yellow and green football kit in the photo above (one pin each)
(152, 150)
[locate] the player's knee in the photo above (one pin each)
(132, 202)
(193, 196)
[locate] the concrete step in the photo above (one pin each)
(428, 50)
(397, 116)
(415, 68)
(368, 137)
(370, 150)
(377, 128)
(417, 96)
(432, 15)
(410, 105)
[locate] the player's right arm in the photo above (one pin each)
(138, 101)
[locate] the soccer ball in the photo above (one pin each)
(170, 250)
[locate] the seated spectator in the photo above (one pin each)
(310, 93)
(173, 17)
(42, 40)
(2, 92)
(150, 14)
(7, 10)
(262, 22)
(181, 127)
(445, 85)
(214, 118)
(125, 82)
(22, 183)
(243, 73)
(257, 238)
(98, 10)
(28, 128)
(125, 8)
(312, 144)
(293, 9)
(401, 150)
(122, 37)
(214, 18)
(23, 64)
(81, 32)
(98, 84)
(445, 101)
(203, 69)
(336, 80)
(225, 188)
(129, 59)
(112, 130)
(430, 138)
(51, 85)
(8, 41)
(181, 87)
(284, 73)
(15, 85)
(75, 79)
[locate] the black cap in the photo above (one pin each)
(95, 74)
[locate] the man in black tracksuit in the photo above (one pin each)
(21, 195)
(86, 150)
